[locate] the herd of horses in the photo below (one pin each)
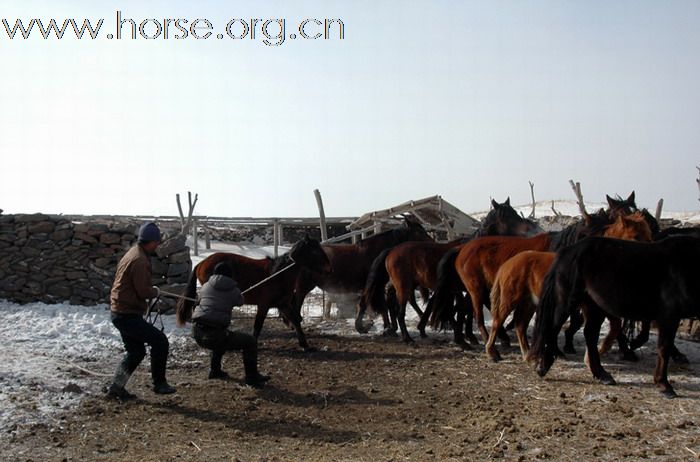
(616, 263)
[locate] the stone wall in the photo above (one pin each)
(51, 259)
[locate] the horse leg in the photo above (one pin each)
(327, 309)
(260, 316)
(361, 308)
(667, 333)
(677, 356)
(296, 319)
(424, 320)
(591, 332)
(623, 343)
(463, 309)
(414, 304)
(503, 336)
(642, 337)
(402, 319)
(468, 322)
(496, 323)
(575, 323)
(521, 319)
(478, 310)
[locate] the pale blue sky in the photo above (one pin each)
(469, 100)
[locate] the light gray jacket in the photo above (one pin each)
(216, 299)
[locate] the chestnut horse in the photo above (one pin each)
(350, 263)
(275, 293)
(655, 281)
(413, 265)
(518, 284)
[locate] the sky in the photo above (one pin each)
(466, 99)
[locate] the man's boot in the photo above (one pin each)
(116, 390)
(250, 364)
(215, 371)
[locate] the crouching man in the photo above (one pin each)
(131, 288)
(210, 322)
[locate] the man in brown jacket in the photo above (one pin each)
(131, 288)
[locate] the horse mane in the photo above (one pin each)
(279, 262)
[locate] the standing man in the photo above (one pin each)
(131, 288)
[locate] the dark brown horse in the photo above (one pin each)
(306, 254)
(413, 265)
(350, 263)
(656, 281)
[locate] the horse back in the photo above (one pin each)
(636, 280)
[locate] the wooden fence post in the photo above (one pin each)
(207, 238)
(322, 215)
(195, 244)
(275, 236)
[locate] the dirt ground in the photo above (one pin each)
(376, 399)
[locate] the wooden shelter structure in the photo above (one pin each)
(435, 213)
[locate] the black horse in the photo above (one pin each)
(655, 281)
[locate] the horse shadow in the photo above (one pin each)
(288, 427)
(343, 396)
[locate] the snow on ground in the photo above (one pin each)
(42, 349)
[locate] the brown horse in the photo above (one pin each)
(306, 254)
(518, 284)
(413, 265)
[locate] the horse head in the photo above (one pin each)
(503, 220)
(618, 206)
(308, 252)
(415, 229)
(630, 227)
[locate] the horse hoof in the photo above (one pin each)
(607, 379)
(495, 356)
(680, 358)
(669, 393)
(310, 349)
(569, 349)
(473, 340)
(541, 370)
(389, 332)
(423, 335)
(629, 356)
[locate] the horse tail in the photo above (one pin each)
(544, 320)
(495, 295)
(374, 292)
(442, 302)
(183, 310)
(562, 291)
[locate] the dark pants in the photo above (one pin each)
(136, 332)
(220, 340)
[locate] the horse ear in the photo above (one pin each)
(631, 198)
(507, 202)
(611, 202)
(494, 204)
(307, 237)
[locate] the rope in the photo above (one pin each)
(268, 278)
(87, 371)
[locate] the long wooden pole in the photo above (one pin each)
(322, 215)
